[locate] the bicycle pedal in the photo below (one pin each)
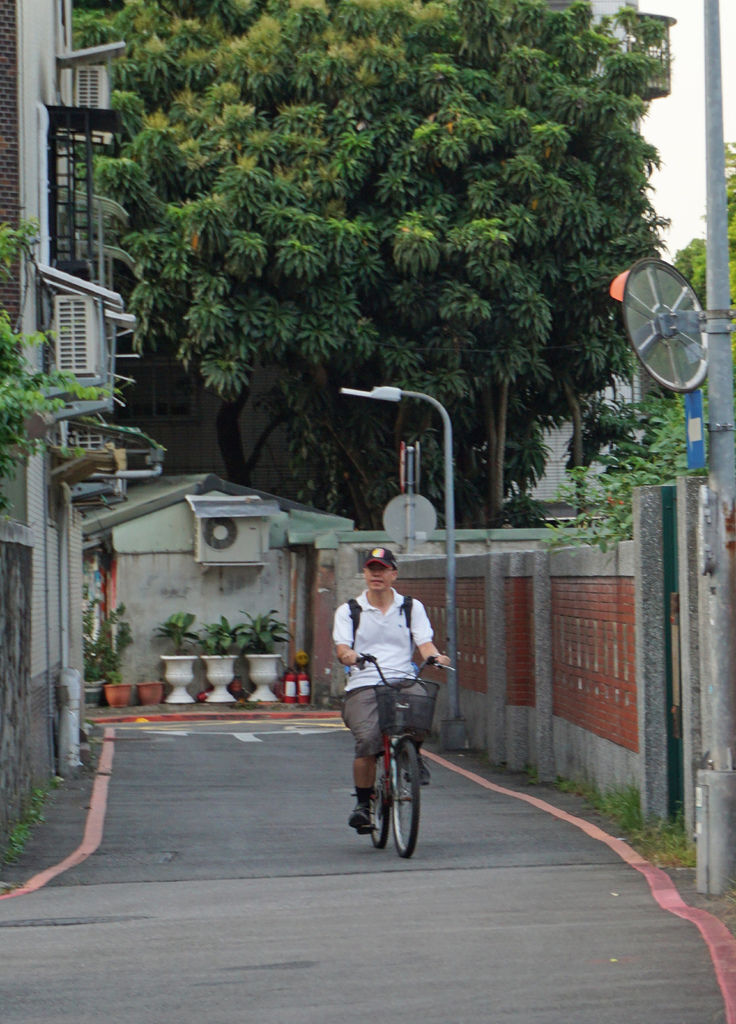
(364, 830)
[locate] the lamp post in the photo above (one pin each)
(453, 735)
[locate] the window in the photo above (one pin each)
(162, 390)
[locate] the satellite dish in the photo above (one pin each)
(396, 517)
(662, 317)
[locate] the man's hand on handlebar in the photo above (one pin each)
(440, 660)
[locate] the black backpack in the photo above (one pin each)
(355, 611)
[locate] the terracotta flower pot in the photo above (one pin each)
(150, 693)
(117, 695)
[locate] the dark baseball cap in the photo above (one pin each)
(382, 556)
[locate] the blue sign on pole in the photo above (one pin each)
(695, 432)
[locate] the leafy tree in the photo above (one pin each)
(354, 192)
(692, 260)
(651, 451)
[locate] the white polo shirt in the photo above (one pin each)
(385, 636)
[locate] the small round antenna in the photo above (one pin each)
(662, 317)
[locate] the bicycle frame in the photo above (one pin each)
(396, 798)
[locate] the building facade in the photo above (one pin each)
(54, 116)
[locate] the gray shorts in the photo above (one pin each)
(360, 715)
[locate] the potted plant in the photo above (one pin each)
(179, 666)
(259, 636)
(104, 642)
(217, 640)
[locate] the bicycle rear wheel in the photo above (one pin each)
(380, 816)
(405, 797)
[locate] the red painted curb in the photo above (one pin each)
(721, 944)
(204, 716)
(93, 829)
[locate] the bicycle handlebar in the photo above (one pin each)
(371, 659)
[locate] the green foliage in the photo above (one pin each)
(21, 831)
(692, 260)
(104, 642)
(432, 195)
(651, 450)
(217, 638)
(177, 629)
(24, 388)
(663, 841)
(692, 264)
(261, 633)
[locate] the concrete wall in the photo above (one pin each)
(562, 660)
(546, 658)
(18, 767)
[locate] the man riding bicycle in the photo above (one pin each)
(377, 623)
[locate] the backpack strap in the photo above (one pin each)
(355, 610)
(406, 609)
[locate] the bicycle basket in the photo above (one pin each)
(400, 711)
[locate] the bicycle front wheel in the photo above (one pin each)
(405, 803)
(381, 819)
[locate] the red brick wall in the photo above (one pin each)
(9, 180)
(471, 624)
(519, 642)
(594, 672)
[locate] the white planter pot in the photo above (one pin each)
(179, 671)
(220, 670)
(263, 671)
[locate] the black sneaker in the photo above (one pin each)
(424, 776)
(360, 819)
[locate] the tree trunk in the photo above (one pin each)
(240, 469)
(230, 441)
(577, 424)
(496, 420)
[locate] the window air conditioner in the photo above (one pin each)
(92, 86)
(228, 540)
(77, 336)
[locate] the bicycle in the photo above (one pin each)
(402, 717)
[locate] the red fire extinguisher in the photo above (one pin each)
(290, 686)
(302, 680)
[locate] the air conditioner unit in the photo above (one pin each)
(228, 540)
(78, 336)
(92, 86)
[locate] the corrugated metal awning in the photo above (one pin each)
(216, 506)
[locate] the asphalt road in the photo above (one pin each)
(228, 887)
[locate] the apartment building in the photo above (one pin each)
(54, 116)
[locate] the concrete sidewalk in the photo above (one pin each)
(557, 848)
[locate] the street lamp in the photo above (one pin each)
(453, 731)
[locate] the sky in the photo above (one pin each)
(676, 124)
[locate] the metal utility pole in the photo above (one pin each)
(716, 788)
(409, 454)
(453, 734)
